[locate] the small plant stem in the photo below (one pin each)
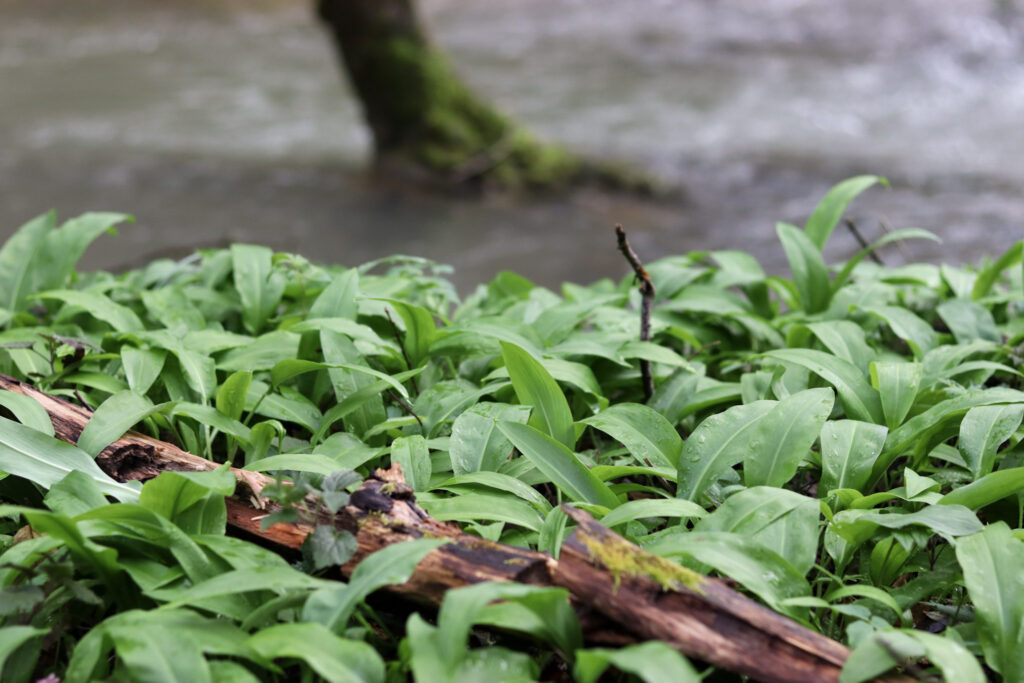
(400, 338)
(646, 304)
(852, 227)
(408, 409)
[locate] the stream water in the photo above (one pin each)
(216, 121)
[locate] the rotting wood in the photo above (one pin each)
(710, 621)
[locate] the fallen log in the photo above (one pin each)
(643, 599)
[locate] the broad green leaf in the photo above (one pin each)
(337, 660)
(652, 507)
(74, 495)
(949, 521)
(394, 564)
(759, 570)
(968, 321)
(784, 437)
(559, 464)
(13, 637)
(412, 454)
(27, 410)
(142, 367)
(989, 275)
(338, 300)
(258, 287)
(261, 353)
(17, 256)
(99, 306)
(113, 418)
(648, 436)
(419, 330)
(299, 462)
(499, 481)
(672, 395)
(194, 501)
(843, 339)
(477, 506)
(897, 383)
(859, 399)
(211, 417)
(983, 430)
(868, 592)
(919, 426)
(477, 444)
(152, 652)
(906, 325)
(199, 371)
(986, 490)
(652, 662)
(809, 273)
(874, 655)
(44, 461)
(718, 443)
(894, 236)
(291, 367)
(535, 387)
(339, 349)
(231, 394)
(782, 521)
(992, 561)
(831, 208)
(849, 449)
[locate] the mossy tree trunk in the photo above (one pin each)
(419, 111)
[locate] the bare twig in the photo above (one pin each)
(864, 244)
(407, 408)
(400, 338)
(646, 304)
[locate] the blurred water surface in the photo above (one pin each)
(217, 121)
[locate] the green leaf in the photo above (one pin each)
(477, 445)
(74, 495)
(759, 570)
(989, 275)
(874, 655)
(121, 318)
(210, 416)
(992, 561)
(291, 367)
(231, 394)
(535, 387)
(983, 430)
(782, 521)
(718, 443)
(17, 257)
(986, 490)
(338, 300)
(830, 209)
(652, 662)
(949, 521)
(412, 454)
(113, 418)
(262, 353)
(43, 460)
(477, 506)
(652, 507)
(258, 287)
(809, 273)
(419, 330)
(894, 236)
(859, 399)
(849, 449)
(968, 321)
(337, 660)
(498, 481)
(559, 464)
(329, 547)
(672, 395)
(27, 410)
(784, 437)
(393, 564)
(897, 383)
(648, 436)
(142, 367)
(255, 579)
(369, 411)
(13, 637)
(906, 325)
(172, 494)
(199, 370)
(299, 462)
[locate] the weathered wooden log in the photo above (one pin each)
(697, 615)
(622, 593)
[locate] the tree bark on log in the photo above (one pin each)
(651, 598)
